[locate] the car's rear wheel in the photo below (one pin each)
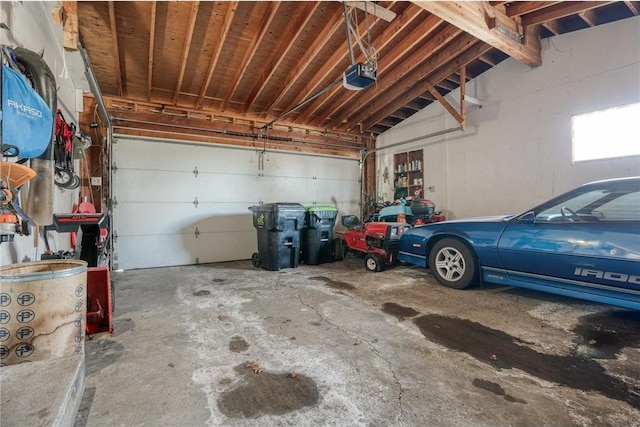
(373, 262)
(452, 264)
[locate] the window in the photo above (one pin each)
(607, 133)
(598, 205)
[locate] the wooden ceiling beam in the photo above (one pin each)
(186, 47)
(442, 100)
(374, 9)
(634, 7)
(152, 37)
(589, 17)
(116, 50)
(560, 10)
(181, 124)
(288, 39)
(334, 25)
(553, 26)
(416, 88)
(272, 11)
(487, 60)
(224, 32)
(433, 53)
(488, 24)
(338, 60)
(519, 8)
(463, 93)
(70, 25)
(329, 107)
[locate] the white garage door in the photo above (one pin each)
(181, 204)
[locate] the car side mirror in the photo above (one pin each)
(528, 218)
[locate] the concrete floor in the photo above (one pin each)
(333, 345)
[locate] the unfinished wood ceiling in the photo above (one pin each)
(252, 61)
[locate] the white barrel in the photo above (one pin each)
(42, 310)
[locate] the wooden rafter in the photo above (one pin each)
(70, 25)
(373, 9)
(337, 60)
(265, 24)
(152, 37)
(487, 60)
(287, 41)
(332, 103)
(463, 93)
(224, 32)
(416, 67)
(589, 16)
(334, 25)
(407, 95)
(488, 24)
(186, 48)
(519, 8)
(553, 26)
(634, 7)
(560, 10)
(116, 50)
(447, 106)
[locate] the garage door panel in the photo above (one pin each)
(153, 155)
(225, 187)
(217, 246)
(160, 218)
(143, 186)
(155, 188)
(227, 161)
(155, 251)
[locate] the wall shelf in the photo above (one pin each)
(408, 175)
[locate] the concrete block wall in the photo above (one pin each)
(516, 151)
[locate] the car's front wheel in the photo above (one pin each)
(453, 264)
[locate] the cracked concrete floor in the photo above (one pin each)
(333, 345)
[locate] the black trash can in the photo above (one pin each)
(279, 226)
(317, 237)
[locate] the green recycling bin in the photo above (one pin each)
(317, 236)
(279, 226)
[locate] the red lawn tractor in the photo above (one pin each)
(376, 241)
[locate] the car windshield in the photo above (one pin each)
(598, 204)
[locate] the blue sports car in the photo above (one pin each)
(583, 244)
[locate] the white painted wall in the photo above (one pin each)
(516, 151)
(31, 26)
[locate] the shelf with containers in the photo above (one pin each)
(408, 175)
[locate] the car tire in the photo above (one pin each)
(373, 262)
(453, 264)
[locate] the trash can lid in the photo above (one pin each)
(317, 208)
(275, 207)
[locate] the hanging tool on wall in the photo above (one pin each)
(13, 220)
(65, 175)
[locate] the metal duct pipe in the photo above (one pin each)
(93, 85)
(39, 204)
